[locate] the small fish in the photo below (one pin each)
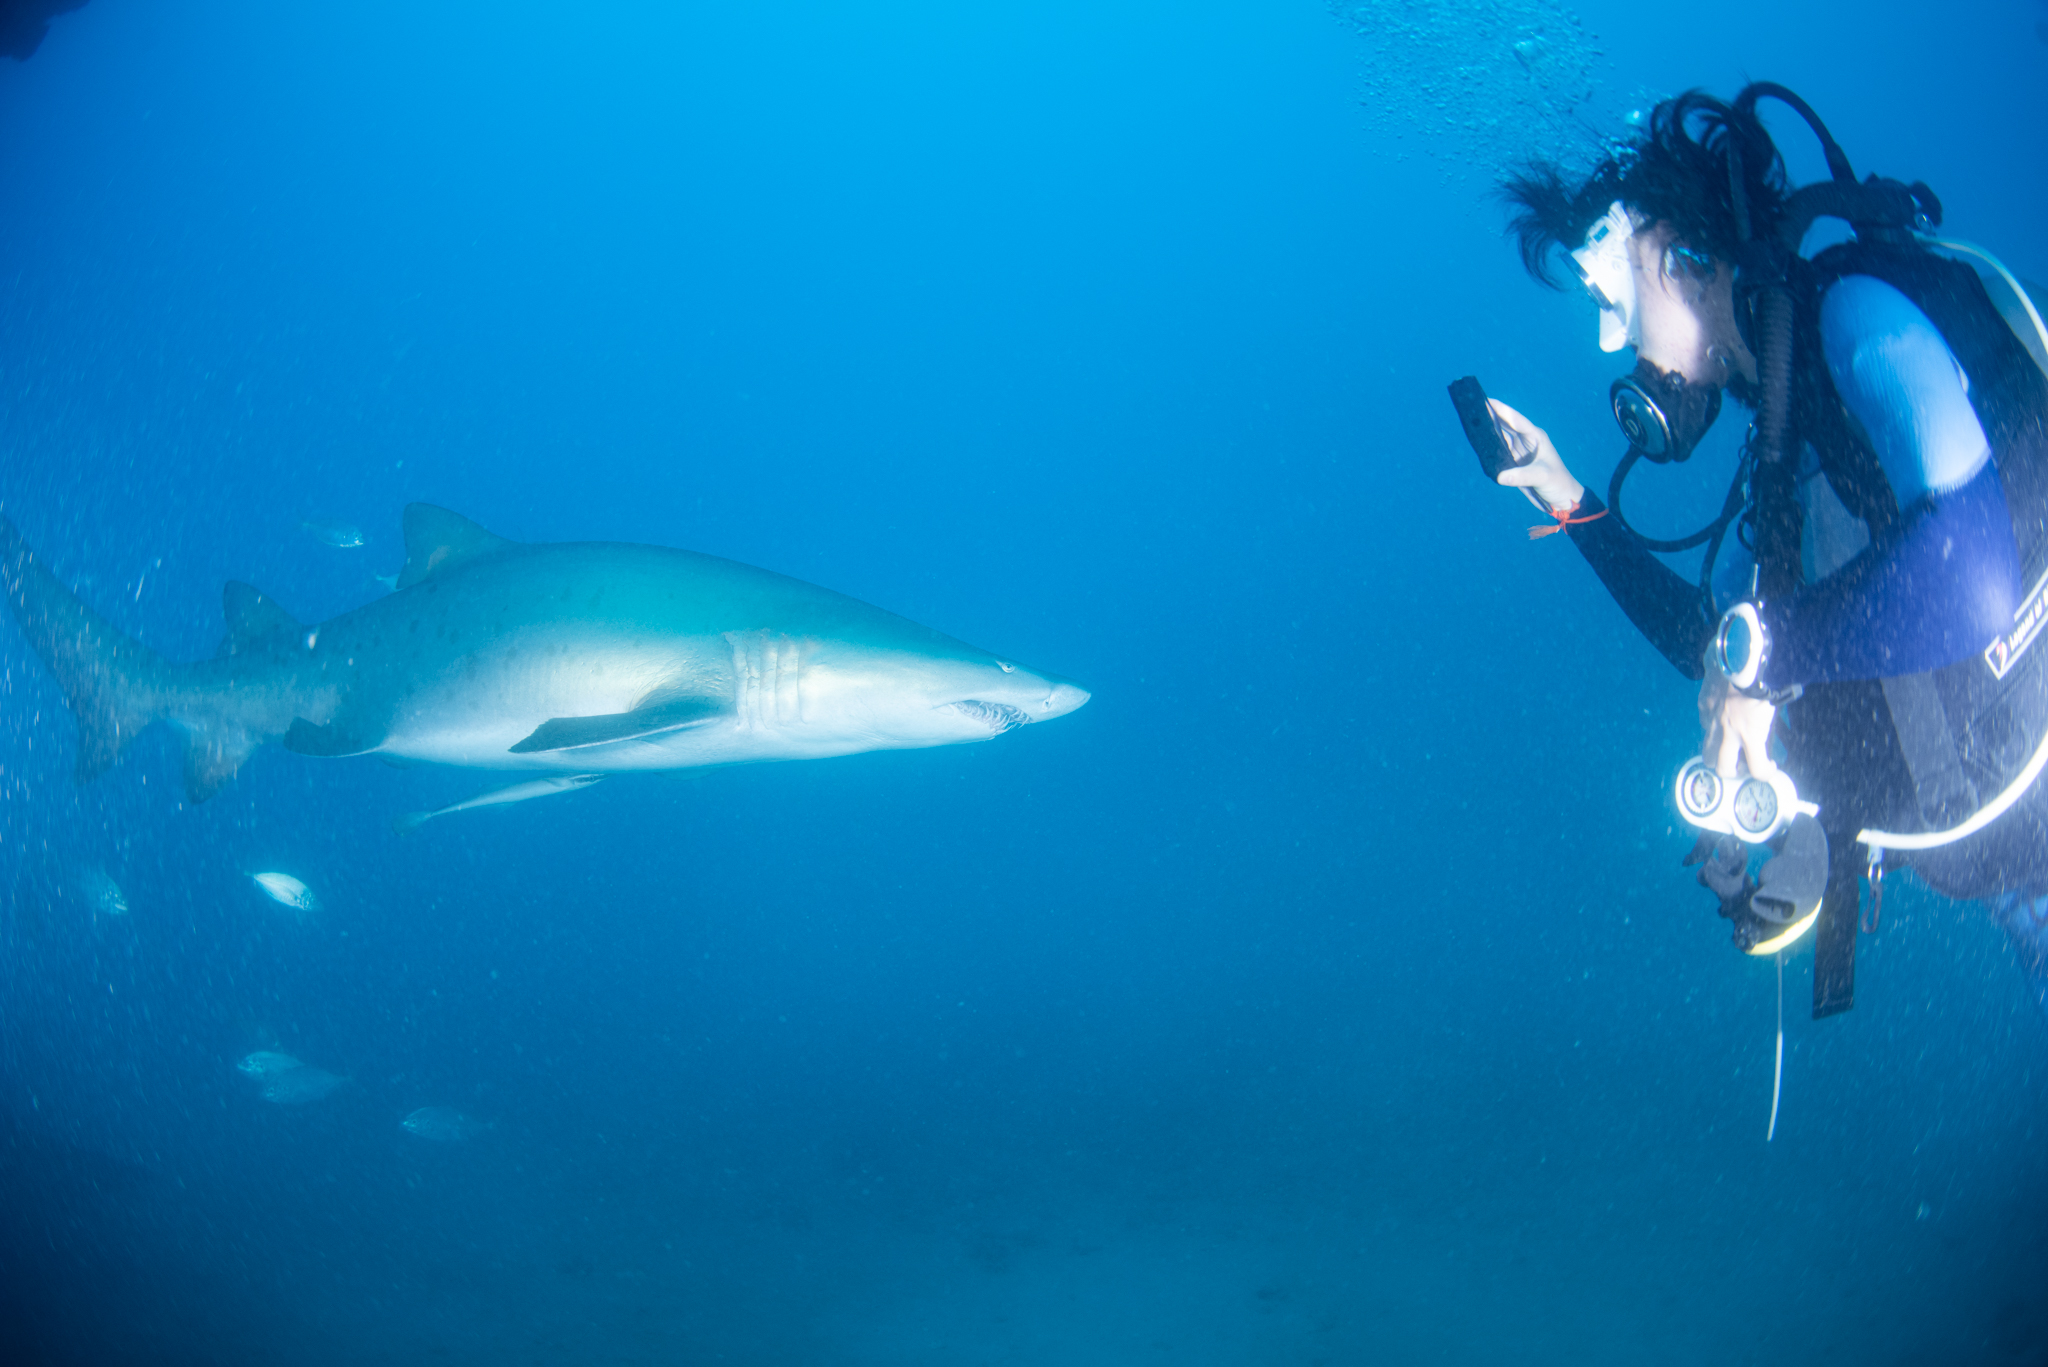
(339, 535)
(299, 1086)
(101, 892)
(287, 890)
(518, 792)
(389, 581)
(442, 1124)
(268, 1063)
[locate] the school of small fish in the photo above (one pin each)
(280, 1078)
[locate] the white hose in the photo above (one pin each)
(1778, 1070)
(1988, 813)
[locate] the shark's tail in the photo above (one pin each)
(116, 687)
(111, 683)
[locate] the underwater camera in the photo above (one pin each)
(1490, 443)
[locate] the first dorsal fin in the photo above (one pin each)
(254, 621)
(436, 538)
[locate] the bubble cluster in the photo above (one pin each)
(1480, 84)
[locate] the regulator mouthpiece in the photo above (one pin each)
(1663, 414)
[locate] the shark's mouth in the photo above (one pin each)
(997, 716)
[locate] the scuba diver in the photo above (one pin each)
(1865, 616)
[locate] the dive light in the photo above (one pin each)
(1750, 808)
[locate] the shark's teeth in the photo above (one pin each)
(997, 716)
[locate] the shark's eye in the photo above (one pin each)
(1006, 668)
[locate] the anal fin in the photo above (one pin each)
(642, 723)
(212, 755)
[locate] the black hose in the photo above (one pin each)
(1774, 366)
(1712, 534)
(1713, 531)
(1777, 521)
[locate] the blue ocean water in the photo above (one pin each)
(1325, 991)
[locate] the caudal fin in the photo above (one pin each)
(110, 682)
(116, 687)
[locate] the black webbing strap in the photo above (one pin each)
(1834, 934)
(1943, 791)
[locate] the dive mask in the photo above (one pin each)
(1602, 266)
(1662, 414)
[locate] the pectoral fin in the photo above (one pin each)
(327, 742)
(576, 733)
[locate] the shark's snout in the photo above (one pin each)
(1064, 698)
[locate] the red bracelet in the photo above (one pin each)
(1564, 519)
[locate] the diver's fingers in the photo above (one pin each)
(1755, 726)
(1725, 745)
(1541, 473)
(1544, 470)
(1712, 689)
(1528, 440)
(1515, 419)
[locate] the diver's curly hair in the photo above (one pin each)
(1676, 172)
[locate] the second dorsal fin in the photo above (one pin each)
(436, 538)
(254, 621)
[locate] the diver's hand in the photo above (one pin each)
(1734, 725)
(1545, 480)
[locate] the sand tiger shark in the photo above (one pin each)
(586, 658)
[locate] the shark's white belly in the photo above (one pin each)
(785, 698)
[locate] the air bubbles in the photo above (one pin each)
(1484, 84)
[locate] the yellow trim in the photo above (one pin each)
(1788, 935)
